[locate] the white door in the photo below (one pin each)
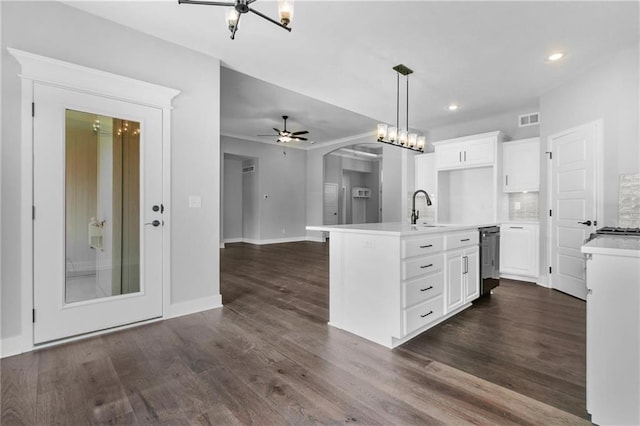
(573, 203)
(330, 204)
(71, 172)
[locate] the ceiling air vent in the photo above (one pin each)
(249, 169)
(530, 119)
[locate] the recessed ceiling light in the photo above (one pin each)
(555, 56)
(453, 107)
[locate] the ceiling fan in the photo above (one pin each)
(285, 136)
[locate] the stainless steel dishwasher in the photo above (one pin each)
(489, 259)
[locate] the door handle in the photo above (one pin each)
(154, 223)
(158, 208)
(586, 222)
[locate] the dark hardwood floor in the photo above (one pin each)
(268, 357)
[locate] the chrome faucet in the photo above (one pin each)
(414, 213)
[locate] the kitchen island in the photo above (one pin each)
(389, 282)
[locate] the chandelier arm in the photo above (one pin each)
(207, 3)
(273, 21)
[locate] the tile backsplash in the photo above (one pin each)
(629, 201)
(523, 206)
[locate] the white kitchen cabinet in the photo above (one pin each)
(519, 251)
(463, 284)
(521, 165)
(469, 153)
(613, 330)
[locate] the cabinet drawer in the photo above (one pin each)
(422, 289)
(421, 245)
(461, 239)
(421, 266)
(423, 314)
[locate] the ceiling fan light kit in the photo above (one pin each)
(285, 136)
(240, 7)
(395, 135)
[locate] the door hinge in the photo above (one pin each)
(33, 212)
(33, 315)
(550, 213)
(549, 269)
(550, 154)
(33, 109)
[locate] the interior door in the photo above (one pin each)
(330, 204)
(573, 201)
(97, 195)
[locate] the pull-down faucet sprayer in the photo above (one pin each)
(414, 213)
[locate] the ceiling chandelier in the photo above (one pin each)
(240, 7)
(395, 135)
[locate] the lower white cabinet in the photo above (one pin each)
(519, 252)
(463, 284)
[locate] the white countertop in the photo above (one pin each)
(396, 228)
(613, 245)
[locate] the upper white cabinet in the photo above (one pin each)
(471, 152)
(521, 165)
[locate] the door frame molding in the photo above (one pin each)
(54, 72)
(599, 171)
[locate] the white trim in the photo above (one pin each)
(233, 240)
(89, 80)
(546, 279)
(371, 134)
(519, 278)
(274, 240)
(36, 68)
(10, 346)
(315, 239)
(194, 306)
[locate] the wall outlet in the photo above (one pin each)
(195, 201)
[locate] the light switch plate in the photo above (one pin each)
(195, 201)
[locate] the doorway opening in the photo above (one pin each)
(353, 185)
(241, 213)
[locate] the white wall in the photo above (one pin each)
(232, 196)
(55, 30)
(609, 92)
(251, 202)
(506, 121)
(282, 179)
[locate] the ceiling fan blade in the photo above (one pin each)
(302, 132)
(268, 135)
(295, 138)
(278, 131)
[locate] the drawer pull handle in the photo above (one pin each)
(428, 288)
(427, 246)
(426, 315)
(466, 239)
(426, 266)
(516, 227)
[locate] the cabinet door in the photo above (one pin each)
(472, 275)
(478, 153)
(521, 165)
(519, 250)
(448, 157)
(455, 284)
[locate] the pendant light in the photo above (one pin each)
(395, 135)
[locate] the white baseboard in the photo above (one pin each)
(10, 346)
(192, 306)
(233, 240)
(275, 240)
(519, 278)
(315, 239)
(543, 280)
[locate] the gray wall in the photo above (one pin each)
(250, 202)
(59, 31)
(282, 179)
(507, 122)
(232, 196)
(609, 92)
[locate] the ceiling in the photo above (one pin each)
(333, 73)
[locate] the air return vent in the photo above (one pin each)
(249, 169)
(530, 119)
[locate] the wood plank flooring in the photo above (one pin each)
(268, 357)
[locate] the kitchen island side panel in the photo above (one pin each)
(364, 285)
